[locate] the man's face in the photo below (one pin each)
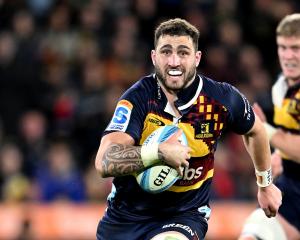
(288, 49)
(175, 60)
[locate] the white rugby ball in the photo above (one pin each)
(159, 178)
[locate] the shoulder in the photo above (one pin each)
(144, 87)
(226, 94)
(145, 83)
(217, 89)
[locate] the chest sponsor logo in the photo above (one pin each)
(156, 121)
(192, 173)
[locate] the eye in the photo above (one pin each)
(166, 51)
(183, 53)
(296, 48)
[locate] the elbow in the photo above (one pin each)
(100, 168)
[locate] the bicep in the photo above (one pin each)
(256, 132)
(107, 140)
(256, 128)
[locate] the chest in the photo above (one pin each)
(203, 123)
(288, 114)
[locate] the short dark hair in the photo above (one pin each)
(177, 27)
(289, 26)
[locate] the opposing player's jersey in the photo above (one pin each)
(208, 108)
(287, 117)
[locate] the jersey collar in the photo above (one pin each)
(188, 96)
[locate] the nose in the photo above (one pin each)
(174, 60)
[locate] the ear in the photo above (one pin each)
(153, 56)
(198, 57)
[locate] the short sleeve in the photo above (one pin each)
(129, 113)
(242, 116)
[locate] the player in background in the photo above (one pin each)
(284, 138)
(203, 109)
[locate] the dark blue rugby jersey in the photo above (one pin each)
(207, 108)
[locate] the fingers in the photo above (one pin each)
(180, 171)
(270, 199)
(176, 154)
(270, 212)
(267, 212)
(184, 163)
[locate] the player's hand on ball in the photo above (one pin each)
(174, 154)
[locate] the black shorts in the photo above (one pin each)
(290, 208)
(191, 224)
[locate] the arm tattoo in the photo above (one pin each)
(120, 160)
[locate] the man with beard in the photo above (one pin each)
(203, 109)
(285, 139)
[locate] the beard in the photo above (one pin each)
(188, 77)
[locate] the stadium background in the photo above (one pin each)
(63, 65)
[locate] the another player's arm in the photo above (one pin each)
(287, 143)
(117, 155)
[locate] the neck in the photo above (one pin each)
(170, 94)
(292, 82)
(171, 97)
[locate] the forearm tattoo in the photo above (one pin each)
(120, 160)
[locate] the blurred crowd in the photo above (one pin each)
(64, 63)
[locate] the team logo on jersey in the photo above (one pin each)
(204, 130)
(121, 116)
(294, 106)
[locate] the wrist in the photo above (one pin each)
(149, 154)
(270, 130)
(264, 178)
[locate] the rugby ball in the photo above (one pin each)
(159, 178)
